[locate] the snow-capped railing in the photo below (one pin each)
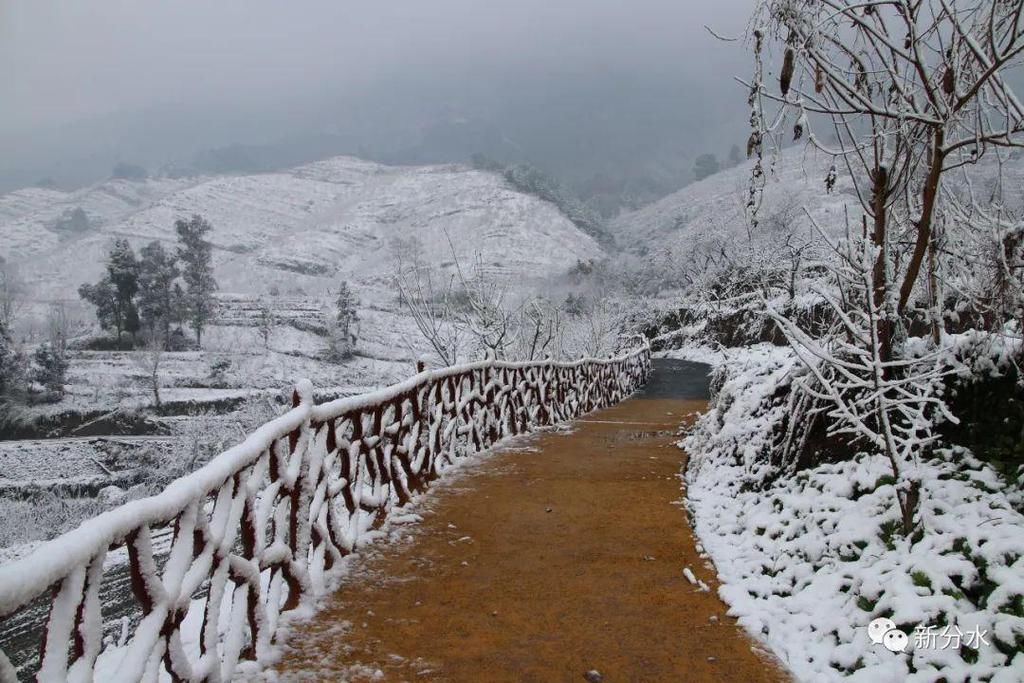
(254, 531)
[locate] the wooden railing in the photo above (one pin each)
(257, 530)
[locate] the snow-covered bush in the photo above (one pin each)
(50, 371)
(808, 559)
(12, 367)
(44, 517)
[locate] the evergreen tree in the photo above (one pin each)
(11, 366)
(343, 338)
(123, 271)
(103, 296)
(51, 368)
(114, 295)
(158, 302)
(195, 253)
(706, 165)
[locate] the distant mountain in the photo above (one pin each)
(297, 231)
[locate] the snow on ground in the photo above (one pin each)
(807, 562)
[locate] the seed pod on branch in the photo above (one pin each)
(786, 77)
(753, 144)
(948, 81)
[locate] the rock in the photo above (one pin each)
(594, 676)
(547, 509)
(112, 495)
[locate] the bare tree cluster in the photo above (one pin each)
(471, 313)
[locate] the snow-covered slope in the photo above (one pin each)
(711, 212)
(301, 230)
(713, 208)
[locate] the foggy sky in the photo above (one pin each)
(87, 81)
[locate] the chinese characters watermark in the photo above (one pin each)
(949, 638)
(883, 631)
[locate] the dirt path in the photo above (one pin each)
(562, 554)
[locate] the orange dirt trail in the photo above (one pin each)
(559, 554)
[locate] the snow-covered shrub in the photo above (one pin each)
(808, 559)
(747, 414)
(50, 371)
(12, 367)
(986, 391)
(44, 517)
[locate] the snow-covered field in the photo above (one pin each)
(807, 562)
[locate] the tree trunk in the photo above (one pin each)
(934, 300)
(929, 198)
(156, 392)
(879, 275)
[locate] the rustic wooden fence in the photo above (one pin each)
(257, 530)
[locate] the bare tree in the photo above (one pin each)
(149, 360)
(540, 325)
(58, 326)
(429, 298)
(266, 321)
(909, 91)
(486, 308)
(891, 405)
(595, 331)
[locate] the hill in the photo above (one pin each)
(712, 210)
(299, 231)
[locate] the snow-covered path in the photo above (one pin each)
(564, 553)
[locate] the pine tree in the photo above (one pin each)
(343, 338)
(157, 300)
(195, 253)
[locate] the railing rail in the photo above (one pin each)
(259, 527)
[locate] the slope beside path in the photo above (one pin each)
(560, 554)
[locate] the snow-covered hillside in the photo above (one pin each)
(713, 209)
(711, 212)
(301, 230)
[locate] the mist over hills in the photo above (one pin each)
(618, 141)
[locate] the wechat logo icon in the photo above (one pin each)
(883, 631)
